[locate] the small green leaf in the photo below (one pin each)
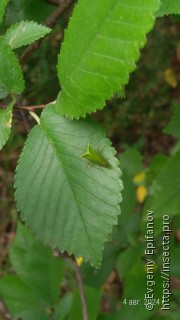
(11, 77)
(67, 204)
(5, 124)
(24, 33)
(168, 7)
(3, 5)
(95, 157)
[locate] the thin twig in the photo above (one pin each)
(82, 293)
(50, 22)
(31, 108)
(4, 313)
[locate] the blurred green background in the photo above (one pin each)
(37, 285)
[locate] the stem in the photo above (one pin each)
(35, 116)
(31, 108)
(50, 23)
(82, 293)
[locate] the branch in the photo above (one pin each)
(4, 314)
(57, 253)
(82, 293)
(50, 23)
(31, 108)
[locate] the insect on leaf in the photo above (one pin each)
(95, 157)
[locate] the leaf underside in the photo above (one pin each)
(100, 50)
(67, 202)
(11, 78)
(24, 33)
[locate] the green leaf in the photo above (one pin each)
(156, 165)
(5, 124)
(135, 287)
(96, 278)
(32, 10)
(175, 271)
(166, 189)
(24, 33)
(20, 300)
(11, 78)
(129, 221)
(93, 298)
(127, 259)
(173, 127)
(67, 203)
(63, 307)
(29, 254)
(106, 42)
(131, 161)
(168, 7)
(3, 5)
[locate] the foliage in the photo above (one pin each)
(11, 78)
(2, 9)
(24, 33)
(87, 197)
(106, 49)
(173, 127)
(68, 184)
(169, 7)
(30, 294)
(5, 124)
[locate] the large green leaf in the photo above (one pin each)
(100, 49)
(3, 5)
(5, 124)
(166, 189)
(11, 78)
(69, 202)
(24, 33)
(169, 7)
(29, 254)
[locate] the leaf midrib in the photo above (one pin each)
(45, 131)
